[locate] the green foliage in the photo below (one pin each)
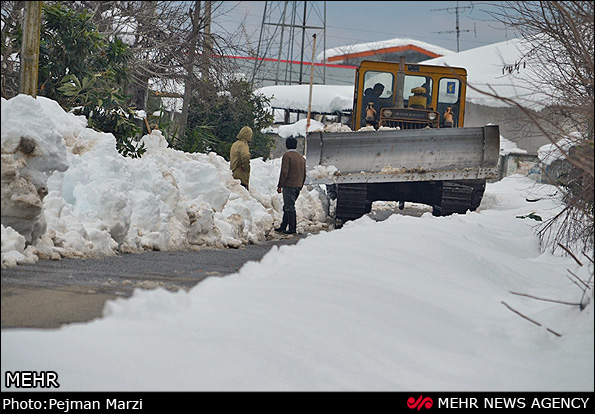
(199, 139)
(69, 42)
(85, 72)
(216, 118)
(102, 103)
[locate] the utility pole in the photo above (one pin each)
(189, 81)
(457, 26)
(207, 40)
(30, 49)
(311, 87)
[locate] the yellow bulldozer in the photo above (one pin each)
(409, 143)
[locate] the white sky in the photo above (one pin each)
(429, 21)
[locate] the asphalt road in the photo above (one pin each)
(50, 294)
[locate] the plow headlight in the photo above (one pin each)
(432, 116)
(387, 113)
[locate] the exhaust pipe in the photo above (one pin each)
(400, 82)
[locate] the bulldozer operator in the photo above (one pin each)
(373, 105)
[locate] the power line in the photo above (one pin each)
(457, 26)
(283, 38)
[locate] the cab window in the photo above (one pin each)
(449, 93)
(377, 92)
(386, 79)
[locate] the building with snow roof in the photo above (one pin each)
(414, 51)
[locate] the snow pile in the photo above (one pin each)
(298, 129)
(31, 150)
(337, 127)
(100, 203)
(550, 153)
(509, 147)
(13, 246)
(320, 172)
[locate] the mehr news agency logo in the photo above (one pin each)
(424, 403)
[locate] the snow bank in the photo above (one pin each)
(33, 146)
(75, 196)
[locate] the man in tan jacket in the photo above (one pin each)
(291, 181)
(239, 156)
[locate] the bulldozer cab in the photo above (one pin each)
(408, 96)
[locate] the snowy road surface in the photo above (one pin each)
(75, 290)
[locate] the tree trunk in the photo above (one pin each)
(190, 69)
(207, 41)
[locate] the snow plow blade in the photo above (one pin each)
(440, 154)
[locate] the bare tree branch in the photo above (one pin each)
(529, 319)
(546, 300)
(559, 38)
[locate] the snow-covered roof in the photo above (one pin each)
(502, 69)
(487, 69)
(325, 98)
(384, 46)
